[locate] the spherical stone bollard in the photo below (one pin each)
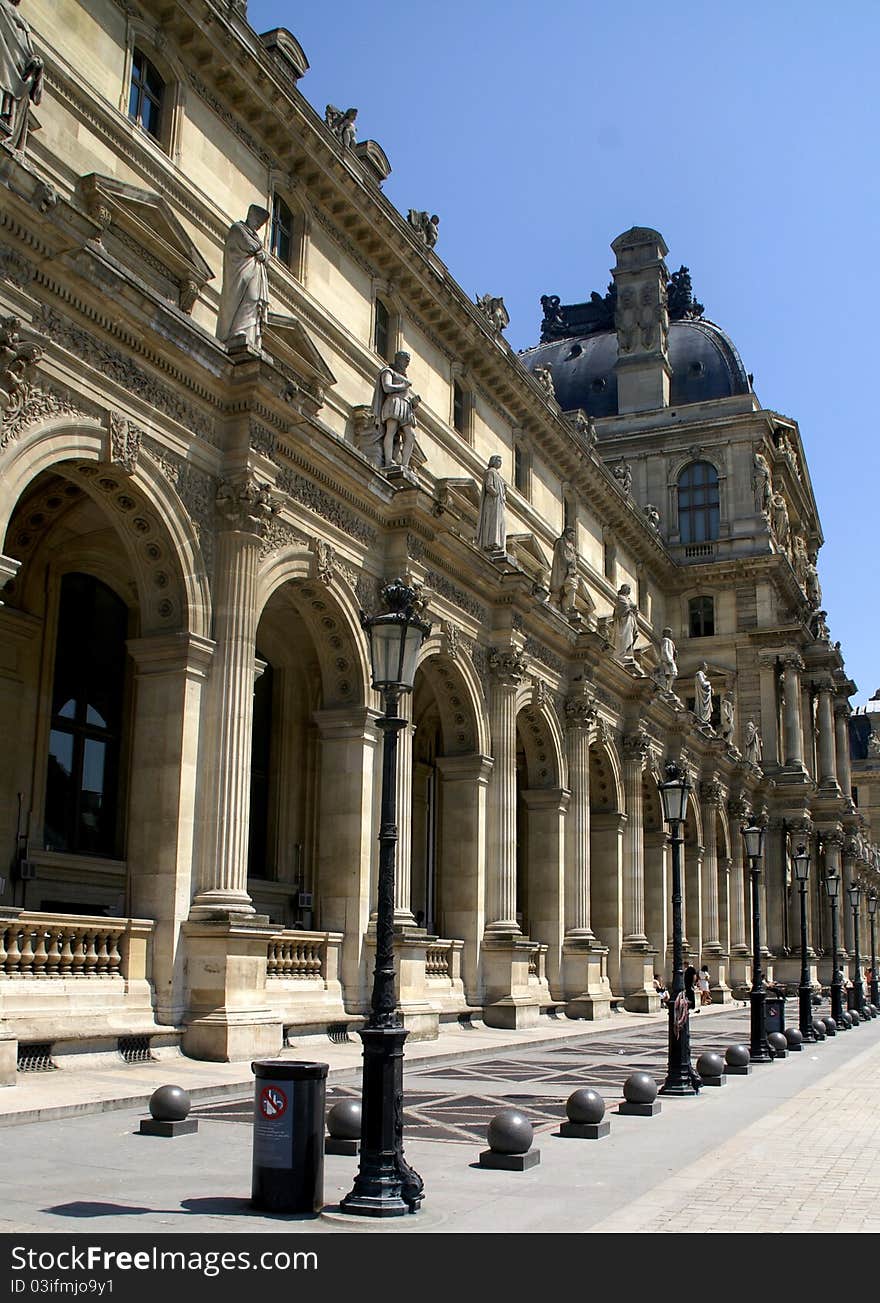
(778, 1044)
(586, 1111)
(846, 1019)
(738, 1060)
(344, 1128)
(169, 1109)
(710, 1066)
(830, 1026)
(510, 1135)
(639, 1096)
(819, 1028)
(794, 1038)
(855, 1017)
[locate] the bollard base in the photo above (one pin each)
(639, 1110)
(715, 1081)
(334, 1145)
(150, 1127)
(795, 1049)
(510, 1162)
(584, 1130)
(737, 1070)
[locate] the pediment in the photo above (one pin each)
(526, 549)
(286, 339)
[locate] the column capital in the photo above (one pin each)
(507, 666)
(842, 709)
(739, 807)
(713, 793)
(851, 848)
(833, 839)
(823, 682)
(637, 747)
(244, 505)
(791, 660)
(580, 709)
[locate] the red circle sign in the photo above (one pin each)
(273, 1102)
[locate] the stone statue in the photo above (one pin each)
(394, 409)
(494, 311)
(754, 747)
(799, 559)
(703, 696)
(819, 625)
(424, 225)
(652, 515)
(553, 320)
(874, 746)
(622, 472)
(625, 625)
(584, 426)
(779, 521)
(812, 587)
(244, 298)
(21, 75)
(763, 484)
(491, 527)
(15, 358)
(544, 377)
(341, 123)
(728, 717)
(668, 663)
(564, 574)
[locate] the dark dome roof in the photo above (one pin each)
(705, 365)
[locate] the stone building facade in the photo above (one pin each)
(189, 785)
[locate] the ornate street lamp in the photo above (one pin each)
(680, 1076)
(872, 911)
(855, 899)
(801, 861)
(386, 1186)
(832, 887)
(759, 1046)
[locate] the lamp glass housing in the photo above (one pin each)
(832, 885)
(872, 903)
(674, 794)
(801, 861)
(855, 894)
(753, 836)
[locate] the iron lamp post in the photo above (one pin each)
(832, 887)
(386, 1186)
(855, 900)
(759, 1046)
(801, 861)
(680, 1076)
(872, 912)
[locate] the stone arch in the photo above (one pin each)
(658, 925)
(542, 740)
(463, 718)
(607, 824)
(606, 777)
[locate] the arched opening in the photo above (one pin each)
(607, 822)
(541, 805)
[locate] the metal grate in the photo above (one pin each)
(36, 1058)
(338, 1032)
(135, 1049)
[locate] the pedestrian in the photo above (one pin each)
(690, 977)
(660, 988)
(703, 985)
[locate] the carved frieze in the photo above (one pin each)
(307, 492)
(446, 588)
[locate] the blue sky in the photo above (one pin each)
(746, 133)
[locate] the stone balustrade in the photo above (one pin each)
(303, 983)
(297, 955)
(538, 964)
(438, 959)
(36, 947)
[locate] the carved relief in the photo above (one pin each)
(308, 493)
(244, 505)
(508, 666)
(125, 443)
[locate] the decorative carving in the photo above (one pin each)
(727, 707)
(446, 588)
(833, 839)
(36, 405)
(652, 515)
(415, 547)
(584, 428)
(564, 574)
(244, 297)
(703, 696)
(307, 492)
(21, 76)
(539, 652)
(125, 443)
(453, 637)
(17, 360)
(625, 626)
(762, 482)
(342, 123)
(543, 375)
(494, 311)
(262, 439)
(580, 708)
(681, 303)
(779, 521)
(637, 746)
(278, 534)
(325, 562)
(491, 525)
(508, 665)
(426, 227)
(668, 667)
(14, 268)
(739, 809)
(196, 490)
(244, 505)
(622, 472)
(539, 694)
(553, 322)
(713, 793)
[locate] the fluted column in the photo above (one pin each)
(739, 937)
(794, 749)
(832, 845)
(403, 915)
(842, 713)
(243, 509)
(850, 856)
(507, 668)
(827, 747)
(711, 797)
(580, 715)
(635, 753)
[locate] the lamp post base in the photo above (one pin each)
(805, 1015)
(759, 1046)
(385, 1186)
(681, 1080)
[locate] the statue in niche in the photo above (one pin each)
(342, 124)
(703, 696)
(21, 75)
(728, 717)
(622, 472)
(394, 407)
(763, 484)
(491, 526)
(244, 298)
(754, 747)
(544, 377)
(668, 663)
(426, 226)
(625, 625)
(564, 573)
(779, 521)
(812, 587)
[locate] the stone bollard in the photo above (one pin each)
(846, 1020)
(830, 1026)
(510, 1135)
(169, 1109)
(855, 1017)
(344, 1128)
(586, 1111)
(738, 1060)
(710, 1066)
(778, 1044)
(794, 1039)
(820, 1029)
(639, 1096)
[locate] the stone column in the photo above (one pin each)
(827, 775)
(740, 937)
(637, 970)
(508, 669)
(842, 713)
(243, 509)
(712, 796)
(832, 844)
(461, 876)
(769, 719)
(580, 716)
(403, 915)
(793, 740)
(850, 858)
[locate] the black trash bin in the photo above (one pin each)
(288, 1171)
(774, 1013)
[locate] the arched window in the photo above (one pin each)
(88, 691)
(701, 617)
(698, 503)
(146, 95)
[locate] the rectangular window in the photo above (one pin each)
(282, 231)
(458, 407)
(520, 469)
(701, 617)
(382, 331)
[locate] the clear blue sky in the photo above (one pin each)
(746, 133)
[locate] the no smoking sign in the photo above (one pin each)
(273, 1102)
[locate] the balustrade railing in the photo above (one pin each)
(297, 955)
(52, 946)
(438, 960)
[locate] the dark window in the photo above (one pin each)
(382, 331)
(261, 751)
(520, 468)
(146, 96)
(458, 407)
(282, 231)
(701, 617)
(567, 512)
(609, 559)
(82, 780)
(698, 503)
